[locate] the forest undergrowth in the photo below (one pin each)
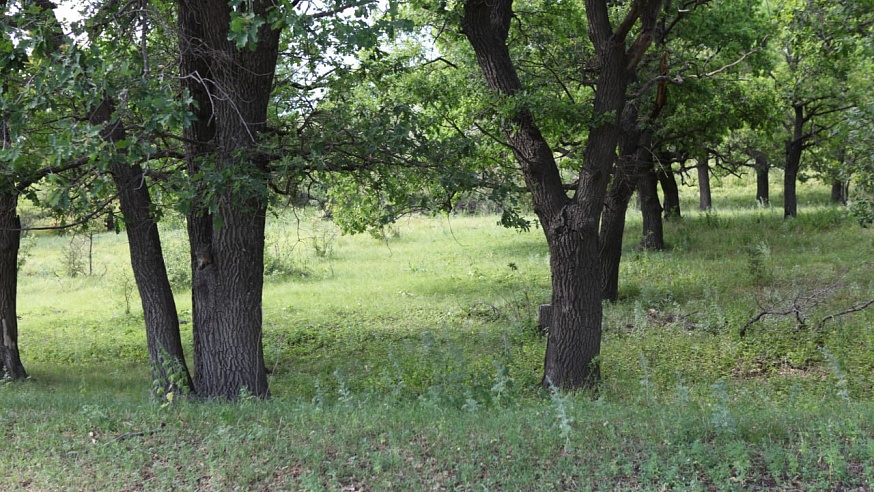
(740, 358)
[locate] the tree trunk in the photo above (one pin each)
(794, 148)
(668, 181)
(226, 225)
(840, 192)
(633, 147)
(651, 210)
(10, 240)
(575, 330)
(166, 356)
(570, 225)
(705, 199)
(763, 168)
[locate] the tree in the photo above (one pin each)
(230, 86)
(815, 46)
(228, 60)
(106, 68)
(570, 224)
(699, 48)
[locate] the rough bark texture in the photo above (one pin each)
(705, 199)
(166, 356)
(232, 88)
(10, 240)
(794, 148)
(671, 191)
(634, 146)
(651, 210)
(570, 225)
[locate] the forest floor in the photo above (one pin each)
(412, 361)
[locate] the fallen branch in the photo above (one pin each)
(800, 305)
(852, 309)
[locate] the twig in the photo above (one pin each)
(128, 435)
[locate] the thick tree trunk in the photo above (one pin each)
(633, 148)
(794, 148)
(10, 240)
(166, 356)
(668, 181)
(571, 233)
(705, 199)
(227, 235)
(763, 168)
(651, 210)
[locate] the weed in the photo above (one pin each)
(374, 390)
(323, 239)
(560, 406)
(126, 286)
(840, 378)
(27, 244)
(758, 267)
(78, 258)
(170, 380)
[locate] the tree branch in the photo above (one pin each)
(852, 309)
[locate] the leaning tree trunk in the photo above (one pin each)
(668, 181)
(651, 210)
(10, 240)
(705, 198)
(166, 356)
(633, 149)
(794, 148)
(226, 226)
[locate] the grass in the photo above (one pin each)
(412, 362)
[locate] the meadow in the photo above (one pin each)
(411, 361)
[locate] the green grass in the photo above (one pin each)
(413, 363)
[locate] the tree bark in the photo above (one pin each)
(794, 148)
(705, 199)
(763, 168)
(166, 356)
(668, 181)
(10, 240)
(570, 225)
(633, 149)
(651, 210)
(226, 225)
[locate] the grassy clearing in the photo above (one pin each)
(411, 362)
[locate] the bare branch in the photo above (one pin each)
(852, 309)
(799, 307)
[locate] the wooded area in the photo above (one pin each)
(224, 110)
